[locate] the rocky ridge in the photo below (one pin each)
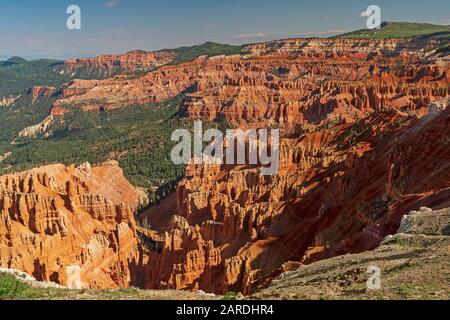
(294, 83)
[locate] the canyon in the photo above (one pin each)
(70, 225)
(295, 83)
(365, 141)
(359, 129)
(331, 196)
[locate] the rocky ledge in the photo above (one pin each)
(414, 264)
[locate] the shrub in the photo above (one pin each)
(10, 286)
(229, 296)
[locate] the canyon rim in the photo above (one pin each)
(341, 165)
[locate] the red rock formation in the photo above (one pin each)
(59, 224)
(290, 82)
(339, 190)
(359, 151)
(58, 111)
(184, 255)
(121, 91)
(131, 61)
(38, 92)
(362, 152)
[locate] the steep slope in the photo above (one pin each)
(414, 264)
(364, 141)
(71, 225)
(339, 190)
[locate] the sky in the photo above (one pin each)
(37, 28)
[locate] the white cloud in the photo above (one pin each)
(250, 35)
(112, 3)
(365, 14)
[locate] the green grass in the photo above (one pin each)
(230, 295)
(396, 30)
(208, 48)
(11, 287)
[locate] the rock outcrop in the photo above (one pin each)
(8, 101)
(365, 140)
(37, 129)
(71, 225)
(339, 190)
(413, 264)
(132, 61)
(40, 92)
(290, 82)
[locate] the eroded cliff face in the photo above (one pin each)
(71, 225)
(334, 46)
(339, 190)
(364, 143)
(365, 140)
(122, 91)
(288, 82)
(40, 92)
(132, 61)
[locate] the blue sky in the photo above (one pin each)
(37, 28)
